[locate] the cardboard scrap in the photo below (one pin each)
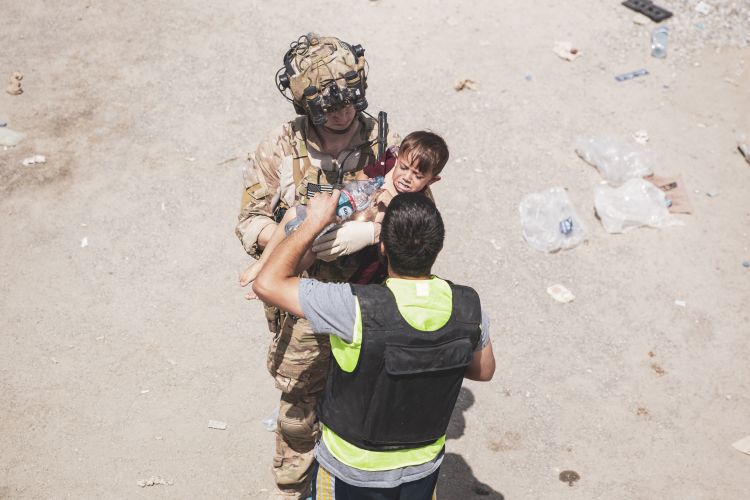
(465, 83)
(675, 190)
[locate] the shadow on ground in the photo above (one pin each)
(457, 480)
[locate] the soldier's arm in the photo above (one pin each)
(261, 177)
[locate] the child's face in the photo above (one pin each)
(408, 179)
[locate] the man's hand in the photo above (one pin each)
(321, 210)
(345, 239)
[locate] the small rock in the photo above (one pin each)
(85, 242)
(712, 194)
(746, 263)
(703, 8)
(14, 83)
(641, 137)
(569, 476)
(680, 303)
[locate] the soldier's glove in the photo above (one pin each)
(344, 239)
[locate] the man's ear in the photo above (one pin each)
(433, 180)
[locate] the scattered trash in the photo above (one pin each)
(465, 84)
(269, 423)
(616, 160)
(145, 391)
(528, 78)
(648, 9)
(742, 445)
(634, 204)
(674, 189)
(561, 294)
(703, 8)
(680, 303)
(712, 194)
(651, 354)
(154, 481)
(550, 222)
(658, 369)
(34, 160)
(85, 242)
(744, 150)
(631, 74)
(14, 83)
(224, 162)
(642, 412)
(217, 424)
(566, 51)
(10, 137)
(3, 122)
(569, 476)
(640, 136)
(746, 263)
(189, 158)
(659, 37)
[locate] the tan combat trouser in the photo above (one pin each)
(298, 361)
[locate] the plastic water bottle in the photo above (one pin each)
(659, 37)
(355, 197)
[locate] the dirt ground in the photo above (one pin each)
(123, 330)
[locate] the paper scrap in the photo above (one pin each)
(742, 445)
(560, 294)
(566, 51)
(217, 424)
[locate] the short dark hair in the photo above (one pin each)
(413, 234)
(427, 149)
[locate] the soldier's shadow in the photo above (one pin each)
(456, 479)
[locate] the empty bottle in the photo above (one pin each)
(659, 37)
(354, 197)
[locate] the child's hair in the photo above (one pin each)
(428, 150)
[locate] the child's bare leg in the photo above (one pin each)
(249, 274)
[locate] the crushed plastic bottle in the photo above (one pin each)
(659, 37)
(355, 197)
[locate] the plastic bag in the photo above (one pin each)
(636, 203)
(616, 160)
(550, 222)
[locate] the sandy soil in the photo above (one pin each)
(114, 355)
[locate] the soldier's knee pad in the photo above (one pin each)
(297, 421)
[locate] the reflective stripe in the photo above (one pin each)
(324, 485)
(425, 304)
(347, 355)
(361, 459)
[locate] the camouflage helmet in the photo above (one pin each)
(323, 74)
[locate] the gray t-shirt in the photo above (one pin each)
(331, 309)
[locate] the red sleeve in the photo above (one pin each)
(382, 166)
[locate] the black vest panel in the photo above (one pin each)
(402, 392)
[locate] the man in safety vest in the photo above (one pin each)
(401, 351)
(332, 139)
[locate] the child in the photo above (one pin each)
(412, 168)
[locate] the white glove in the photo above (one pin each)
(344, 239)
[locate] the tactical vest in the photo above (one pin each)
(402, 392)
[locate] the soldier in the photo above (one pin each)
(331, 140)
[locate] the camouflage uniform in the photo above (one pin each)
(276, 178)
